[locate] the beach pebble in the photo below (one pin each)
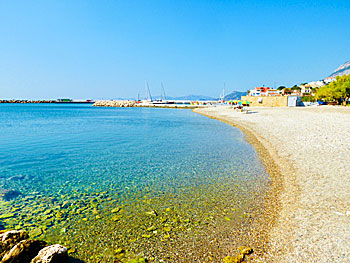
(245, 250)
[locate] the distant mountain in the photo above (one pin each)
(235, 95)
(342, 70)
(192, 97)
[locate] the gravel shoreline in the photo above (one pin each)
(307, 217)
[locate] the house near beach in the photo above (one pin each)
(264, 91)
(265, 96)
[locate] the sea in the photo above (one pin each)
(128, 184)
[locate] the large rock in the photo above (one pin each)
(23, 252)
(52, 254)
(9, 239)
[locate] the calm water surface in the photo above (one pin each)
(118, 183)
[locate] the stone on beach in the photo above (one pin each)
(23, 252)
(52, 254)
(9, 239)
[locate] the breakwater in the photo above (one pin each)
(115, 103)
(28, 101)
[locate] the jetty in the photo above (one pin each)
(59, 101)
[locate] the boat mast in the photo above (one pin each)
(162, 91)
(148, 92)
(223, 92)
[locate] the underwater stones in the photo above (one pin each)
(151, 228)
(119, 253)
(138, 260)
(23, 252)
(6, 216)
(115, 210)
(8, 194)
(65, 204)
(94, 211)
(59, 215)
(48, 212)
(152, 213)
(167, 229)
(36, 232)
(52, 254)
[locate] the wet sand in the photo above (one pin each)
(307, 152)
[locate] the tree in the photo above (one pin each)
(296, 87)
(281, 87)
(335, 90)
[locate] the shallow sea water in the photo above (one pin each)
(115, 184)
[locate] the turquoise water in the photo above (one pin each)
(173, 172)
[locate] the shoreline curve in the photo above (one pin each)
(269, 219)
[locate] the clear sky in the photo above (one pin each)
(107, 49)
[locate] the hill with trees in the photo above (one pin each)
(235, 95)
(336, 90)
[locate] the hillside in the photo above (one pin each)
(235, 95)
(342, 70)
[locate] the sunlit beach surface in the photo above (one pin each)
(311, 147)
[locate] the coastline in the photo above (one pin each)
(268, 215)
(305, 218)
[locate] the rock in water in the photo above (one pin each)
(23, 252)
(9, 239)
(52, 254)
(8, 194)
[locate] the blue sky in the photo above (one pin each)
(107, 49)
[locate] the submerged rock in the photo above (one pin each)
(8, 194)
(23, 252)
(52, 254)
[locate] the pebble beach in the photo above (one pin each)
(310, 152)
